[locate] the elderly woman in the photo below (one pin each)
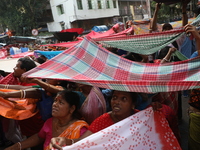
(64, 122)
(123, 106)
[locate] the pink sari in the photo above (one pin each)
(93, 106)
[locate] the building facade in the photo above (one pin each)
(134, 9)
(82, 14)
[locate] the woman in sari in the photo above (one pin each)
(64, 122)
(122, 104)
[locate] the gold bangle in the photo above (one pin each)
(166, 60)
(6, 86)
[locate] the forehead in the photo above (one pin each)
(59, 97)
(18, 64)
(121, 93)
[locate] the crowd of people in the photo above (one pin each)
(68, 112)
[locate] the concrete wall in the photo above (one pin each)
(72, 13)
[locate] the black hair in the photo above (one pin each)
(167, 26)
(163, 52)
(3, 73)
(43, 57)
(72, 98)
(134, 57)
(27, 63)
(40, 60)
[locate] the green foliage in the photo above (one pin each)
(167, 13)
(21, 15)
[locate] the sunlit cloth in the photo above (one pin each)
(94, 34)
(93, 106)
(22, 55)
(144, 130)
(16, 108)
(91, 64)
(3, 53)
(72, 132)
(66, 44)
(194, 131)
(47, 54)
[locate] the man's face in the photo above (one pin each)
(17, 70)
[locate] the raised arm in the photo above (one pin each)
(189, 29)
(28, 93)
(46, 86)
(16, 87)
(153, 22)
(168, 56)
(184, 12)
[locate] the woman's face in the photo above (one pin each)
(122, 104)
(17, 70)
(61, 108)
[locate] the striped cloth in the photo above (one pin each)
(91, 64)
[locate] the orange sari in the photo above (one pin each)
(17, 108)
(73, 131)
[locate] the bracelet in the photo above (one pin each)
(72, 141)
(21, 92)
(20, 145)
(6, 86)
(24, 93)
(166, 60)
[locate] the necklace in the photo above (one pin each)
(58, 126)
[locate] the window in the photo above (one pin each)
(107, 4)
(62, 24)
(60, 9)
(114, 4)
(89, 4)
(99, 4)
(79, 4)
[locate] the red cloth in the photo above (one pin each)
(100, 123)
(78, 30)
(172, 119)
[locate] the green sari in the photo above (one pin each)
(194, 132)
